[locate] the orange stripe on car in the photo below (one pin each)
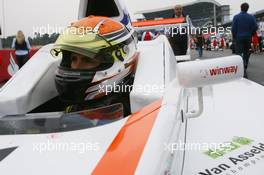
(158, 22)
(123, 155)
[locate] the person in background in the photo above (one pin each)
(227, 43)
(179, 40)
(22, 47)
(222, 44)
(243, 27)
(200, 43)
(255, 42)
(260, 43)
(208, 43)
(178, 11)
(215, 44)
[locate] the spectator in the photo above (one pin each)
(260, 43)
(208, 44)
(215, 44)
(255, 42)
(228, 43)
(178, 12)
(22, 47)
(200, 44)
(243, 27)
(222, 44)
(179, 40)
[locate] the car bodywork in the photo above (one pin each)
(221, 122)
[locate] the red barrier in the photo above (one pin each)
(5, 56)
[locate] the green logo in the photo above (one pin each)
(225, 148)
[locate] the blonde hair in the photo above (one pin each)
(20, 37)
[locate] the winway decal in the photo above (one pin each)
(239, 163)
(223, 70)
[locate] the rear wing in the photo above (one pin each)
(160, 24)
(164, 26)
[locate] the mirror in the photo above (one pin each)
(201, 73)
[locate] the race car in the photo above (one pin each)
(198, 117)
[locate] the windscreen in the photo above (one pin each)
(39, 123)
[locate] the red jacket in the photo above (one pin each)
(255, 40)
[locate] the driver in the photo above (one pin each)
(98, 63)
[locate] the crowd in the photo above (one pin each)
(214, 43)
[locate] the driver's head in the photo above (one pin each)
(94, 51)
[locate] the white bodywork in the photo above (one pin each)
(33, 85)
(152, 80)
(229, 110)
